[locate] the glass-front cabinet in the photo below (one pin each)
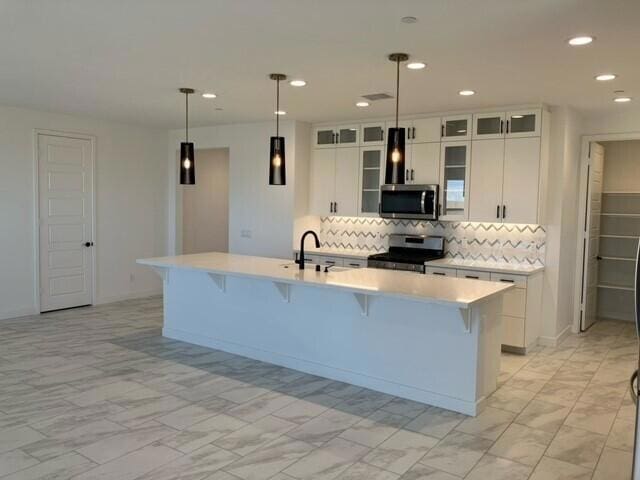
(457, 127)
(523, 123)
(371, 177)
(372, 134)
(488, 125)
(454, 180)
(336, 136)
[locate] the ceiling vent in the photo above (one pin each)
(374, 97)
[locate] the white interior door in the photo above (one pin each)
(65, 184)
(485, 184)
(592, 237)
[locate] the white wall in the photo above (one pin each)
(266, 213)
(130, 205)
(622, 166)
(627, 120)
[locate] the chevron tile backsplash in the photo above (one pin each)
(497, 242)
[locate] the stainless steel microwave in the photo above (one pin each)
(409, 201)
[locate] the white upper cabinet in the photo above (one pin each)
(454, 180)
(485, 183)
(371, 177)
(336, 136)
(424, 166)
(346, 182)
(425, 130)
(323, 177)
(372, 134)
(523, 123)
(488, 125)
(520, 185)
(456, 127)
(406, 124)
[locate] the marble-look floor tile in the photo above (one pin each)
(496, 468)
(422, 472)
(304, 409)
(605, 395)
(261, 406)
(269, 460)
(200, 434)
(60, 468)
(148, 411)
(401, 451)
(198, 464)
(254, 436)
(15, 460)
(374, 430)
(12, 438)
(522, 444)
(328, 461)
(552, 469)
(363, 403)
(457, 453)
(576, 446)
(490, 423)
(435, 422)
(324, 427)
(185, 417)
(621, 435)
(363, 471)
(543, 416)
(528, 380)
(404, 407)
(594, 418)
(559, 393)
(510, 399)
(614, 464)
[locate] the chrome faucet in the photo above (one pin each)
(301, 254)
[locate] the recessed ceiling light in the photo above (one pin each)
(622, 99)
(362, 104)
(297, 83)
(581, 40)
(604, 77)
(280, 112)
(209, 95)
(416, 65)
(466, 93)
(409, 20)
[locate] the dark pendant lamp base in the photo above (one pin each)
(187, 164)
(395, 164)
(277, 166)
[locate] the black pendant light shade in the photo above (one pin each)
(395, 163)
(187, 165)
(394, 171)
(277, 165)
(277, 170)
(187, 157)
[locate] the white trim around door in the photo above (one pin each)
(582, 214)
(64, 215)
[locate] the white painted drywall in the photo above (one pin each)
(261, 216)
(622, 166)
(205, 205)
(130, 206)
(627, 120)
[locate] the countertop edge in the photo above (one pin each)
(447, 263)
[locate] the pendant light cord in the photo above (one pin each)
(186, 120)
(278, 107)
(397, 88)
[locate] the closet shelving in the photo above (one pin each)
(618, 243)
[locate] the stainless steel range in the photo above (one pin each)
(408, 252)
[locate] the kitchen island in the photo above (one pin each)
(435, 340)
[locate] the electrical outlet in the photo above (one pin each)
(245, 233)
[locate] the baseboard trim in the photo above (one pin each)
(332, 373)
(128, 296)
(555, 341)
(19, 312)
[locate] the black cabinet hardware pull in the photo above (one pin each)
(406, 175)
(335, 207)
(506, 280)
(504, 211)
(412, 174)
(501, 126)
(440, 273)
(338, 137)
(475, 277)
(354, 264)
(507, 126)
(442, 130)
(498, 211)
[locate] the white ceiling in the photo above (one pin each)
(125, 59)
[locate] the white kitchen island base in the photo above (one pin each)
(433, 352)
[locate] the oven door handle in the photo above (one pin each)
(423, 202)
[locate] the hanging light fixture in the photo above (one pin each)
(277, 167)
(187, 160)
(394, 172)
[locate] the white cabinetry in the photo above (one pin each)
(336, 136)
(512, 124)
(372, 134)
(454, 180)
(371, 177)
(521, 306)
(456, 127)
(334, 181)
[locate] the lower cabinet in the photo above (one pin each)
(321, 259)
(521, 306)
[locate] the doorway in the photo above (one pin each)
(205, 205)
(65, 220)
(611, 231)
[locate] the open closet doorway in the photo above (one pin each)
(611, 229)
(205, 205)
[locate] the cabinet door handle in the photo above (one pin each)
(498, 211)
(507, 126)
(413, 133)
(442, 130)
(406, 175)
(474, 277)
(506, 280)
(501, 127)
(504, 211)
(335, 207)
(412, 174)
(439, 273)
(337, 137)
(354, 264)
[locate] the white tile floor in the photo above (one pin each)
(97, 393)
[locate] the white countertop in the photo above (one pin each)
(335, 252)
(485, 266)
(451, 291)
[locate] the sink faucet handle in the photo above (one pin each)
(327, 267)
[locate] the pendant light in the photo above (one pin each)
(394, 172)
(187, 159)
(277, 166)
